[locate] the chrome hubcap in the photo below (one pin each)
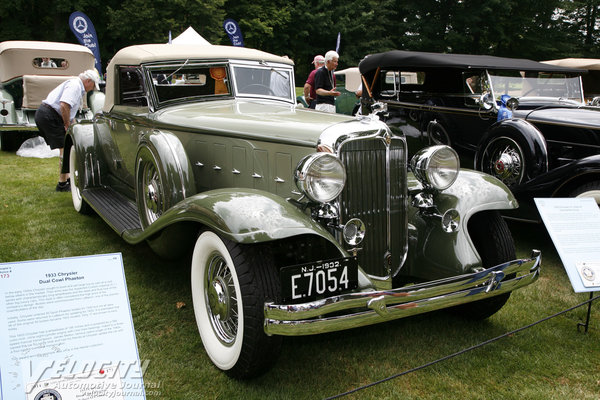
(218, 298)
(505, 161)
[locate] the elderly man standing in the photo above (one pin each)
(57, 112)
(309, 86)
(325, 83)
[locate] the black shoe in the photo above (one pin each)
(64, 186)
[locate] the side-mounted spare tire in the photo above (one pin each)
(495, 245)
(514, 151)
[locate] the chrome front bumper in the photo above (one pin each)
(365, 308)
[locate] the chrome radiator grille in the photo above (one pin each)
(375, 192)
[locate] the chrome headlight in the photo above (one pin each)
(321, 177)
(436, 166)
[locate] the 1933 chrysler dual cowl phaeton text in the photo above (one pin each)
(301, 222)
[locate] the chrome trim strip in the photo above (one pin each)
(365, 308)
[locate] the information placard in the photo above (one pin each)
(574, 226)
(66, 331)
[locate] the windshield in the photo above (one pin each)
(183, 81)
(263, 81)
(536, 84)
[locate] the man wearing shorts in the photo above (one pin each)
(57, 112)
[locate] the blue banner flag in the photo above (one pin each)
(337, 43)
(84, 31)
(235, 33)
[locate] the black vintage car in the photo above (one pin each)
(524, 122)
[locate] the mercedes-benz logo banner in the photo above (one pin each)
(84, 31)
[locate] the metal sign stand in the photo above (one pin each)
(589, 312)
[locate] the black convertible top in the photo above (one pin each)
(415, 59)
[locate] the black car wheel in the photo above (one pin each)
(495, 245)
(230, 284)
(504, 159)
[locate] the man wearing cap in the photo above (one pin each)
(57, 112)
(309, 86)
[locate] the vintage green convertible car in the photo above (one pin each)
(300, 222)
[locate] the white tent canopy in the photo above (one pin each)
(190, 36)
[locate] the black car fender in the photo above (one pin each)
(529, 138)
(561, 181)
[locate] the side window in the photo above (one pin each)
(474, 86)
(390, 84)
(131, 87)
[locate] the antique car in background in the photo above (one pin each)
(301, 222)
(29, 70)
(548, 147)
(347, 83)
(590, 80)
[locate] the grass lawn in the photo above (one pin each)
(549, 361)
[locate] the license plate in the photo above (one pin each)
(305, 282)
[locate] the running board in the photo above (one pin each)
(120, 213)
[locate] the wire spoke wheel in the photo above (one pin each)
(221, 299)
(152, 192)
(504, 159)
(152, 202)
(230, 284)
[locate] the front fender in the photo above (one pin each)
(527, 135)
(434, 252)
(242, 215)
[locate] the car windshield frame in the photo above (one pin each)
(187, 81)
(176, 86)
(254, 74)
(533, 84)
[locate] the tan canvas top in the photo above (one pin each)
(148, 53)
(581, 63)
(16, 58)
(353, 80)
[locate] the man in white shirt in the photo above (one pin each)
(57, 112)
(325, 83)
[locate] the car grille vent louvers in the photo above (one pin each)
(375, 193)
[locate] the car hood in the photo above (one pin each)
(264, 120)
(581, 116)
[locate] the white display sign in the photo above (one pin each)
(574, 226)
(66, 331)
